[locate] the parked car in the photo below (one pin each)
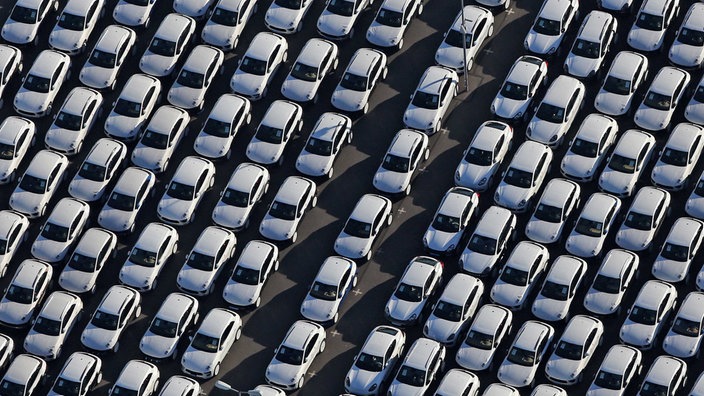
(105, 61)
(25, 293)
(589, 147)
(211, 343)
(420, 281)
(374, 363)
(649, 314)
(363, 226)
(336, 277)
(473, 25)
(552, 21)
(303, 342)
(621, 365)
(104, 160)
(615, 274)
(391, 22)
(527, 351)
(593, 42)
(421, 365)
(559, 288)
(445, 234)
(679, 249)
(167, 45)
(259, 64)
(518, 276)
(575, 348)
(366, 68)
(626, 74)
(491, 324)
(482, 159)
(454, 309)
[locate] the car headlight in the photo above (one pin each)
(482, 181)
(194, 102)
(451, 337)
(291, 24)
(256, 90)
(594, 252)
(451, 247)
(75, 45)
(518, 115)
(166, 70)
(413, 317)
(552, 50)
(372, 388)
(522, 203)
(553, 138)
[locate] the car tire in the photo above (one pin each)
(420, 9)
(335, 317)
(389, 219)
(216, 371)
(399, 45)
(146, 23)
(355, 280)
(116, 347)
(491, 30)
(294, 237)
(365, 109)
(313, 202)
(349, 137)
(138, 311)
(238, 333)
(330, 173)
(276, 265)
(322, 347)
(299, 384)
(426, 154)
(368, 256)
(385, 72)
(284, 57)
(407, 191)
(257, 302)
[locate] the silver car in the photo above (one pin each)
(203, 64)
(104, 63)
(550, 25)
(446, 232)
(193, 8)
(161, 138)
(176, 315)
(627, 162)
(677, 253)
(93, 251)
(317, 60)
(556, 111)
(431, 100)
(519, 275)
(23, 21)
(525, 354)
(24, 293)
(559, 200)
(17, 136)
(420, 281)
(13, 232)
(621, 365)
(120, 211)
(259, 64)
(614, 276)
(648, 30)
(454, 309)
(649, 314)
(53, 324)
(421, 366)
(465, 38)
(626, 74)
(678, 158)
(391, 22)
(133, 13)
(75, 24)
(61, 230)
(559, 288)
(588, 149)
(10, 65)
(155, 245)
(375, 361)
(75, 118)
(294, 198)
(79, 376)
(24, 375)
(189, 184)
(482, 159)
(491, 324)
(644, 218)
(527, 76)
(168, 44)
(593, 225)
(42, 83)
(136, 378)
(573, 351)
(281, 122)
(685, 335)
(366, 68)
(286, 16)
(227, 22)
(229, 115)
(338, 18)
(245, 189)
(256, 264)
(688, 48)
(694, 112)
(593, 42)
(488, 242)
(667, 374)
(336, 277)
(214, 247)
(38, 184)
(401, 161)
(103, 162)
(303, 342)
(363, 226)
(133, 107)
(119, 306)
(660, 102)
(524, 176)
(330, 133)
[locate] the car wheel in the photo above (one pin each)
(294, 237)
(334, 65)
(146, 23)
(92, 289)
(217, 370)
(491, 30)
(313, 202)
(336, 317)
(3, 272)
(276, 265)
(399, 46)
(365, 109)
(354, 282)
(389, 219)
(470, 63)
(407, 191)
(322, 347)
(284, 57)
(426, 154)
(238, 334)
(116, 347)
(349, 137)
(98, 379)
(420, 9)
(368, 256)
(299, 384)
(329, 174)
(280, 161)
(384, 73)
(138, 311)
(258, 302)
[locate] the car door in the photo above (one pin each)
(478, 35)
(40, 287)
(90, 15)
(67, 321)
(227, 338)
(126, 313)
(589, 344)
(308, 352)
(147, 103)
(161, 254)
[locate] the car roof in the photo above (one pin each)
(329, 124)
(76, 366)
(557, 191)
(666, 80)
(524, 69)
(43, 162)
(683, 135)
(420, 353)
(92, 241)
(692, 307)
(493, 221)
(175, 306)
(6, 52)
(404, 142)
(11, 127)
(530, 335)
(103, 150)
(598, 205)
(614, 262)
(362, 60)
(189, 170)
(663, 369)
(578, 329)
(215, 321)
(152, 236)
(368, 207)
(554, 9)
(487, 135)
(299, 333)
(292, 189)
(65, 211)
(314, 51)
(625, 64)
(617, 359)
(22, 367)
(115, 298)
(210, 239)
(28, 271)
(654, 7)
(226, 107)
(528, 155)
(418, 270)
(595, 126)
(647, 200)
(561, 90)
(46, 62)
(564, 268)
(133, 372)
(279, 112)
(254, 254)
(262, 45)
(112, 37)
(524, 254)
(489, 317)
(56, 304)
(471, 14)
(432, 79)
(684, 230)
(395, 5)
(131, 179)
(332, 270)
(201, 57)
(165, 118)
(594, 26)
(137, 87)
(244, 176)
(455, 201)
(651, 294)
(172, 26)
(459, 288)
(77, 7)
(379, 339)
(631, 142)
(8, 219)
(695, 17)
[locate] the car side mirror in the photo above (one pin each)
(563, 29)
(190, 338)
(276, 350)
(503, 174)
(113, 104)
(411, 97)
(58, 18)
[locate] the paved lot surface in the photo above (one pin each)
(244, 367)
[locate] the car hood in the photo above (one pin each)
(19, 33)
(135, 275)
(349, 100)
(649, 118)
(31, 101)
(403, 310)
(49, 250)
(542, 131)
(14, 313)
(231, 216)
(85, 189)
(543, 231)
(507, 294)
(333, 24)
(318, 310)
(616, 5)
(549, 309)
(148, 157)
(476, 263)
(611, 103)
(185, 97)
(473, 358)
(582, 245)
(471, 175)
(361, 380)
(597, 391)
(563, 369)
(382, 35)
(99, 339)
(312, 164)
(247, 84)
(668, 175)
(65, 39)
(578, 166)
(511, 195)
(694, 112)
(218, 34)
(509, 108)
(114, 219)
(281, 373)
(174, 208)
(281, 17)
(695, 206)
(123, 126)
(157, 346)
(450, 56)
(398, 388)
(686, 55)
(240, 294)
(616, 182)
(679, 345)
(351, 246)
(156, 65)
(194, 8)
(391, 182)
(633, 239)
(542, 43)
(61, 138)
(40, 344)
(601, 303)
(636, 333)
(419, 118)
(264, 152)
(298, 90)
(276, 229)
(129, 14)
(194, 279)
(198, 361)
(441, 329)
(640, 38)
(670, 270)
(514, 374)
(25, 201)
(441, 241)
(211, 146)
(76, 281)
(581, 66)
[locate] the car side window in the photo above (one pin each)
(607, 219)
(272, 57)
(478, 31)
(140, 194)
(661, 308)
(125, 312)
(174, 131)
(52, 176)
(566, 17)
(343, 281)
(541, 347)
(200, 182)
(389, 352)
(40, 285)
(255, 188)
(121, 52)
(13, 236)
(641, 156)
(499, 145)
(103, 253)
(504, 232)
(573, 284)
(571, 103)
(539, 168)
(445, 90)
(6, 72)
(407, 14)
(221, 251)
(693, 148)
(325, 63)
(470, 299)
(147, 99)
(74, 224)
(244, 5)
(67, 317)
(589, 341)
(55, 76)
(309, 347)
(226, 334)
(143, 387)
(433, 364)
(162, 248)
(181, 43)
(90, 13)
(42, 9)
(302, 202)
(415, 155)
(374, 73)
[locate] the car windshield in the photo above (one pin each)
(121, 201)
(181, 191)
(547, 27)
(102, 59)
(675, 252)
(155, 140)
(162, 47)
(7, 151)
(651, 389)
(639, 221)
(292, 4)
(82, 263)
(128, 108)
(253, 66)
(518, 178)
(235, 198)
(71, 22)
(657, 101)
(92, 171)
(411, 376)
(120, 391)
(622, 164)
(589, 227)
(163, 328)
(454, 39)
(19, 294)
(521, 357)
(201, 261)
(607, 284)
(205, 343)
(550, 113)
(569, 350)
(607, 380)
(217, 128)
(341, 7)
(282, 211)
(142, 257)
(358, 228)
(191, 79)
(446, 223)
(555, 291)
(426, 100)
(33, 184)
(354, 82)
(617, 86)
(319, 147)
(514, 91)
(409, 292)
(585, 148)
(322, 291)
(304, 72)
(289, 355)
(586, 49)
(246, 276)
(224, 17)
(23, 14)
(105, 320)
(68, 121)
(269, 134)
(699, 94)
(643, 316)
(675, 157)
(55, 232)
(369, 362)
(482, 244)
(66, 387)
(47, 326)
(551, 214)
(686, 327)
(389, 18)
(479, 340)
(514, 276)
(395, 163)
(649, 22)
(447, 311)
(479, 157)
(37, 84)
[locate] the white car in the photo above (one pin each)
(593, 42)
(103, 162)
(685, 336)
(176, 315)
(17, 136)
(303, 342)
(193, 8)
(527, 76)
(38, 184)
(189, 184)
(664, 94)
(688, 48)
(317, 60)
(160, 138)
(620, 366)
(667, 375)
(255, 265)
(295, 197)
(681, 245)
(53, 324)
(619, 6)
(137, 377)
(420, 281)
(24, 293)
(104, 63)
(588, 149)
(694, 112)
(79, 376)
(454, 309)
(550, 25)
(120, 305)
(519, 275)
(458, 381)
(559, 288)
(576, 346)
(245, 189)
(560, 198)
(431, 100)
(230, 114)
(525, 354)
(421, 366)
(391, 22)
(286, 16)
(649, 314)
(121, 209)
(133, 107)
(75, 118)
(497, 388)
(375, 361)
(695, 203)
(487, 243)
(42, 83)
(593, 225)
(133, 13)
(61, 230)
(227, 22)
(648, 30)
(330, 133)
(626, 74)
(626, 163)
(465, 38)
(24, 375)
(482, 159)
(214, 247)
(524, 176)
(259, 64)
(403, 157)
(338, 18)
(445, 234)
(23, 21)
(180, 385)
(155, 245)
(92, 253)
(282, 121)
(189, 89)
(366, 68)
(75, 24)
(13, 232)
(336, 277)
(614, 276)
(698, 386)
(556, 111)
(168, 44)
(10, 64)
(491, 324)
(679, 157)
(363, 226)
(643, 219)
